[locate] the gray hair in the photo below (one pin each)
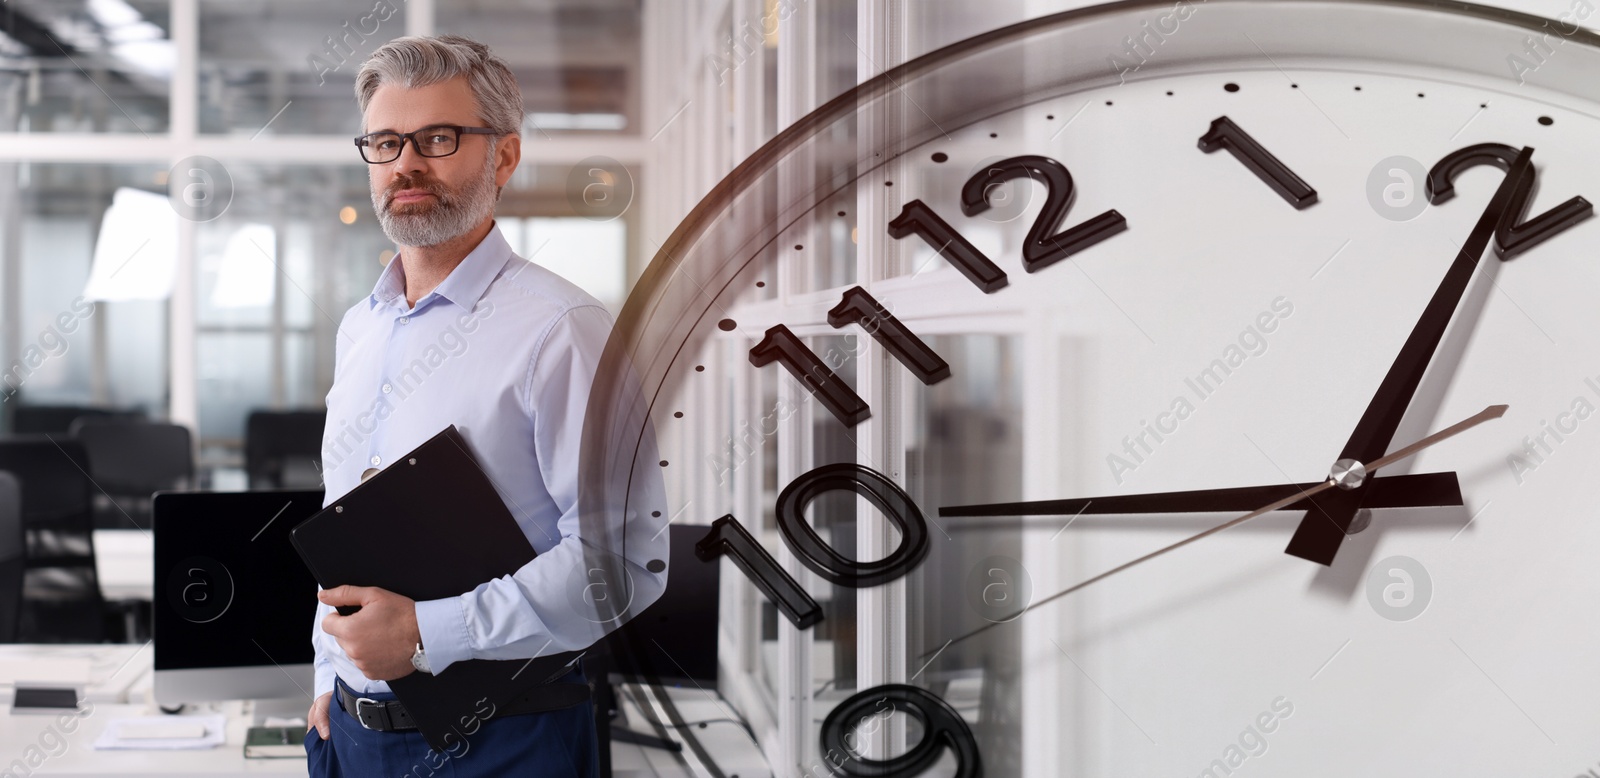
(416, 61)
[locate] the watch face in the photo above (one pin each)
(938, 347)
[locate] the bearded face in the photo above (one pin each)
(420, 210)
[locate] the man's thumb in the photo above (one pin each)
(338, 595)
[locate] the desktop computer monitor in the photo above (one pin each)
(671, 643)
(233, 603)
(674, 641)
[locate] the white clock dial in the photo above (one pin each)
(1227, 338)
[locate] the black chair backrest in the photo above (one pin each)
(13, 557)
(57, 419)
(136, 457)
(54, 476)
(274, 439)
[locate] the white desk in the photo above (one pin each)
(124, 561)
(119, 673)
(727, 743)
(121, 682)
(78, 758)
(120, 687)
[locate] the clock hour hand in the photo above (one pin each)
(1402, 491)
(1321, 531)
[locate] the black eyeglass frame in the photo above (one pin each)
(412, 136)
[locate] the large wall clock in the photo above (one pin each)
(1061, 295)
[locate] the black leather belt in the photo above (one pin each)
(391, 716)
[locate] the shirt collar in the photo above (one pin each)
(464, 286)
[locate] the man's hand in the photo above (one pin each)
(318, 715)
(381, 637)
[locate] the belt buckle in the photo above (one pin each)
(360, 718)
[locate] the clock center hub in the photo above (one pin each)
(1348, 474)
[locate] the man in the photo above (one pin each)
(459, 330)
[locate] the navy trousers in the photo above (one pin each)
(553, 744)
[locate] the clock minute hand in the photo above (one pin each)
(1350, 477)
(1324, 526)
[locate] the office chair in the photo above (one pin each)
(129, 460)
(57, 419)
(283, 449)
(13, 557)
(61, 593)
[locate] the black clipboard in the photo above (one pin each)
(430, 525)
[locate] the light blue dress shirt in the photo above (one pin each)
(506, 351)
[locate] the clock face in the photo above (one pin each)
(1142, 249)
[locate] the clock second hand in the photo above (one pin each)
(1350, 477)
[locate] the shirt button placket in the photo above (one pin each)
(386, 388)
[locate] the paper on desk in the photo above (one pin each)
(111, 738)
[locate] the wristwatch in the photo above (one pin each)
(419, 660)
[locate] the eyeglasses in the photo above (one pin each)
(440, 140)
